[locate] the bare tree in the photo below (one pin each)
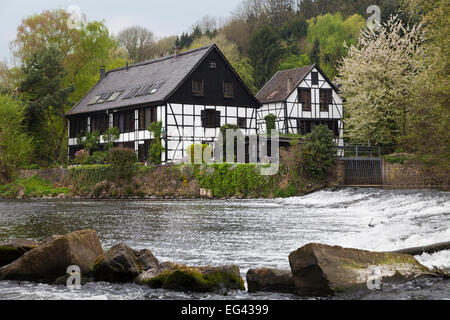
(139, 43)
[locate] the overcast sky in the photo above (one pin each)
(163, 17)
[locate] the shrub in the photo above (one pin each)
(240, 136)
(319, 152)
(197, 159)
(156, 148)
(100, 157)
(81, 157)
(15, 145)
(123, 163)
(270, 123)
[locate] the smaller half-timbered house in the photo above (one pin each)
(301, 99)
(193, 94)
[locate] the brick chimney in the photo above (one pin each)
(102, 73)
(290, 85)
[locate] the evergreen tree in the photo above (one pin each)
(265, 54)
(45, 99)
(315, 53)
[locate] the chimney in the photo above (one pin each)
(102, 73)
(289, 85)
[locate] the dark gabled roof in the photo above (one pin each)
(276, 89)
(170, 70)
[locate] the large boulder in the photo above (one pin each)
(270, 280)
(180, 277)
(13, 249)
(123, 264)
(51, 259)
(320, 269)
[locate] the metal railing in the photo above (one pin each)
(359, 152)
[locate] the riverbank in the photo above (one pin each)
(242, 181)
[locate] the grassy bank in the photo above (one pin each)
(32, 187)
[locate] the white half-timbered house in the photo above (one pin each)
(301, 99)
(193, 94)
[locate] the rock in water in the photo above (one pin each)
(320, 269)
(180, 277)
(270, 280)
(50, 260)
(123, 264)
(13, 249)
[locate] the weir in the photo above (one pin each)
(363, 166)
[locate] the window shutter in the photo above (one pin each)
(203, 116)
(217, 119)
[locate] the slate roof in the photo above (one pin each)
(170, 70)
(276, 90)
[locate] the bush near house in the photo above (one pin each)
(318, 152)
(122, 163)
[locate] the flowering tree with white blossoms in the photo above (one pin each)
(377, 77)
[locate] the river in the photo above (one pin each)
(248, 233)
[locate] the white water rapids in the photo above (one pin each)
(248, 233)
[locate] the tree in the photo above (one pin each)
(294, 61)
(91, 142)
(83, 49)
(327, 34)
(377, 85)
(318, 152)
(265, 54)
(15, 145)
(46, 100)
(139, 42)
(156, 147)
(110, 136)
(429, 116)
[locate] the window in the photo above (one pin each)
(94, 100)
(305, 98)
(100, 123)
(197, 88)
(131, 93)
(213, 64)
(114, 96)
(315, 78)
(128, 121)
(325, 99)
(141, 119)
(228, 90)
(78, 127)
(210, 119)
(306, 126)
(242, 123)
(156, 87)
(104, 97)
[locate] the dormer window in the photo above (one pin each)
(228, 89)
(197, 88)
(212, 64)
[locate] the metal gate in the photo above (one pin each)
(363, 171)
(361, 167)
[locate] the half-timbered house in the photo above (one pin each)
(192, 93)
(301, 99)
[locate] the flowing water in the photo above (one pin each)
(248, 233)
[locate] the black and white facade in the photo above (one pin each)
(301, 99)
(193, 94)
